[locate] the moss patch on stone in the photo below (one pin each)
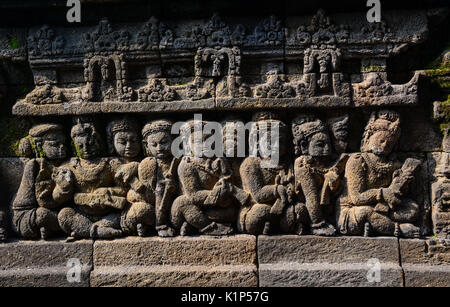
(13, 129)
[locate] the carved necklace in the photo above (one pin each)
(381, 169)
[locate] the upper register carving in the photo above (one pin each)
(158, 66)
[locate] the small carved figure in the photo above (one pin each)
(123, 140)
(97, 201)
(207, 203)
(338, 127)
(157, 174)
(274, 206)
(375, 197)
(44, 188)
(315, 178)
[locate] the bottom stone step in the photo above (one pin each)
(52, 263)
(329, 275)
(176, 276)
(181, 261)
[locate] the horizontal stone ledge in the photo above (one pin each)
(228, 104)
(424, 252)
(44, 254)
(83, 108)
(202, 250)
(328, 275)
(45, 263)
(175, 276)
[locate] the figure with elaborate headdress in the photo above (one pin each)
(269, 178)
(152, 195)
(375, 198)
(316, 179)
(97, 199)
(208, 201)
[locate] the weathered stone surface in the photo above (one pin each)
(426, 275)
(322, 274)
(309, 249)
(425, 262)
(44, 263)
(426, 252)
(319, 261)
(11, 170)
(179, 261)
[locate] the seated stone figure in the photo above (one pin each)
(273, 207)
(316, 179)
(440, 190)
(3, 225)
(157, 175)
(98, 202)
(207, 204)
(124, 141)
(375, 197)
(44, 188)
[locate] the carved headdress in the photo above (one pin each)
(155, 126)
(383, 120)
(32, 143)
(125, 124)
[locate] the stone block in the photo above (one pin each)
(45, 263)
(179, 261)
(327, 261)
(426, 262)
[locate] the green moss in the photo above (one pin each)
(36, 148)
(438, 71)
(13, 43)
(13, 129)
(373, 68)
(77, 150)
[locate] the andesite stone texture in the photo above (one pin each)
(194, 261)
(45, 263)
(357, 178)
(292, 261)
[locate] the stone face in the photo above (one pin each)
(180, 261)
(317, 261)
(45, 263)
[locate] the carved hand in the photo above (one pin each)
(63, 178)
(391, 197)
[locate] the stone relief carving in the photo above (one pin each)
(325, 191)
(440, 190)
(319, 186)
(375, 198)
(44, 188)
(212, 55)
